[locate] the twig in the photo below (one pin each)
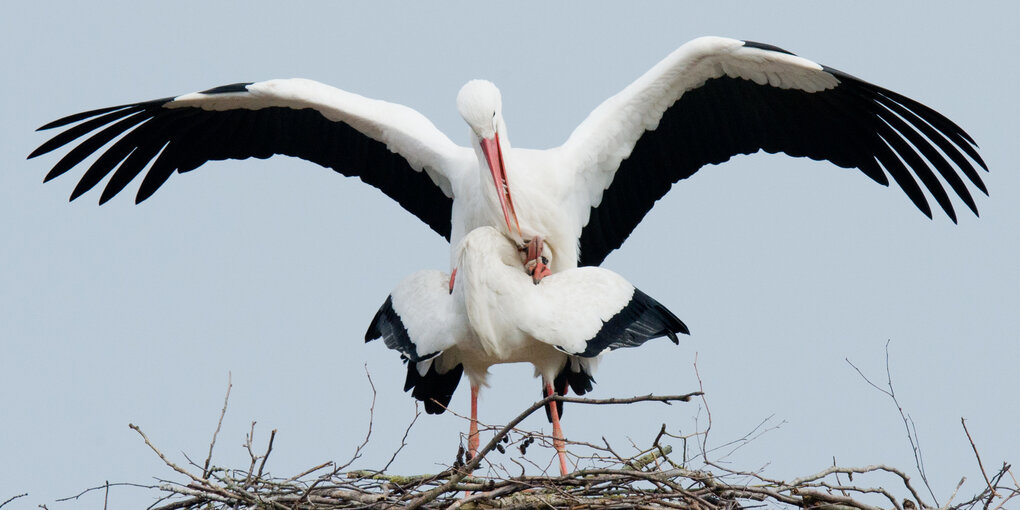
(371, 420)
(708, 412)
(666, 399)
(403, 440)
(165, 460)
(104, 486)
(914, 445)
(978, 456)
(223, 412)
(12, 498)
(309, 471)
(269, 449)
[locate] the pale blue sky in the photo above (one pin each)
(272, 269)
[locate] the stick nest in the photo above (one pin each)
(659, 476)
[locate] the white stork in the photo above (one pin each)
(709, 100)
(495, 314)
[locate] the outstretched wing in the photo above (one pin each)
(389, 146)
(714, 98)
(588, 310)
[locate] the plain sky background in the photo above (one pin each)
(271, 270)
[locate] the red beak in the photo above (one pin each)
(494, 157)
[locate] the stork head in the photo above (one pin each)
(481, 106)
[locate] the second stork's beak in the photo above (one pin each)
(535, 263)
(494, 157)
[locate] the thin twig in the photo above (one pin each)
(978, 456)
(265, 456)
(911, 435)
(403, 440)
(12, 498)
(223, 412)
(165, 460)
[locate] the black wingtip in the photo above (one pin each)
(374, 332)
(228, 89)
(641, 319)
(767, 47)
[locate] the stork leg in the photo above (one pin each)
(557, 431)
(473, 432)
(536, 264)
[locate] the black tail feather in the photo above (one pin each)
(578, 380)
(434, 389)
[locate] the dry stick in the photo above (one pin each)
(474, 462)
(980, 465)
(98, 487)
(12, 498)
(308, 471)
(403, 440)
(162, 499)
(251, 454)
(861, 470)
(175, 467)
(184, 503)
(708, 412)
(371, 420)
(269, 449)
(357, 451)
(208, 458)
(918, 461)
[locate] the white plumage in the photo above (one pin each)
(496, 314)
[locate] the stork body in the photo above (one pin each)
(709, 100)
(496, 314)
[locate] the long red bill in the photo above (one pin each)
(494, 157)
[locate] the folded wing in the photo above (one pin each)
(588, 310)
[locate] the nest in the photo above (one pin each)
(664, 475)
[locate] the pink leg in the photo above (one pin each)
(473, 432)
(557, 432)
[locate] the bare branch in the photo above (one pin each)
(907, 422)
(165, 460)
(978, 456)
(403, 440)
(12, 498)
(223, 412)
(265, 456)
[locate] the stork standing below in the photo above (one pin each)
(711, 99)
(495, 314)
